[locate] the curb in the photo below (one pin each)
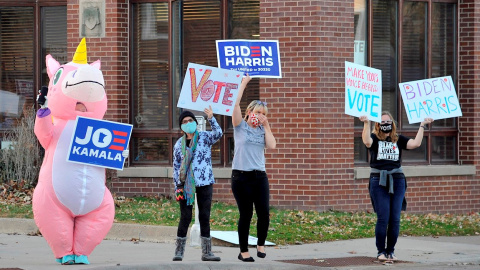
(119, 231)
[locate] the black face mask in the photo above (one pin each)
(385, 128)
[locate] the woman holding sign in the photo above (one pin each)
(387, 182)
(252, 135)
(192, 173)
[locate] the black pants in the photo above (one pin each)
(249, 189)
(204, 201)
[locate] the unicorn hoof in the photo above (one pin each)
(66, 260)
(82, 259)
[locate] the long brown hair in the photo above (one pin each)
(381, 135)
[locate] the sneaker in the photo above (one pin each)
(392, 257)
(382, 257)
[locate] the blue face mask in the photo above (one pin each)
(189, 127)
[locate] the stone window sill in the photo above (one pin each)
(164, 172)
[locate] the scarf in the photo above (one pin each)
(186, 171)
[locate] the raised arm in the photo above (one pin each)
(44, 127)
(216, 133)
(237, 112)
(415, 143)
(367, 140)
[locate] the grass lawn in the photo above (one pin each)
(286, 226)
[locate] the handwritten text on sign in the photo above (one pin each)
(434, 98)
(99, 143)
(205, 86)
(363, 91)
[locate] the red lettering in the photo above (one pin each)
(193, 81)
(219, 85)
(227, 94)
(207, 90)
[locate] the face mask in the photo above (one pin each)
(386, 128)
(254, 119)
(189, 127)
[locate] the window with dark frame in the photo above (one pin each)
(428, 50)
(23, 48)
(166, 36)
(16, 64)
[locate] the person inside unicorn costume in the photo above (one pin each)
(72, 207)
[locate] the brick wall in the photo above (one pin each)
(132, 187)
(469, 82)
(313, 163)
(469, 97)
(312, 167)
(146, 186)
(112, 50)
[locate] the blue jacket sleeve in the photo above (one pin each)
(177, 161)
(216, 133)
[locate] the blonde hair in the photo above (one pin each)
(255, 105)
(381, 135)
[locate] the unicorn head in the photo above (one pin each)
(76, 88)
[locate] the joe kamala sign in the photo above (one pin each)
(99, 143)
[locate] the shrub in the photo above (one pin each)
(21, 161)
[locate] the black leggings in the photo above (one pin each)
(251, 188)
(204, 201)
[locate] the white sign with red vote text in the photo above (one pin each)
(205, 86)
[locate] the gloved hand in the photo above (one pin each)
(42, 97)
(179, 193)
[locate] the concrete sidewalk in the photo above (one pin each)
(152, 247)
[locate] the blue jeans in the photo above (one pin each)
(388, 208)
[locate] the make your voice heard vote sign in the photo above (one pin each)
(434, 98)
(99, 143)
(258, 58)
(363, 91)
(205, 86)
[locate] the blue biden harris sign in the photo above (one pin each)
(258, 58)
(99, 143)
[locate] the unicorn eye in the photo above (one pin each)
(57, 76)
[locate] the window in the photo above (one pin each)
(21, 59)
(360, 57)
(166, 36)
(16, 63)
(244, 23)
(53, 37)
(151, 96)
(427, 50)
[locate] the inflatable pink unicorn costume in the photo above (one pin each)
(72, 207)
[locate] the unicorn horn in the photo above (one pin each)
(80, 56)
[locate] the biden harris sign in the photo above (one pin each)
(258, 58)
(434, 98)
(99, 143)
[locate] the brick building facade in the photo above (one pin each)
(313, 166)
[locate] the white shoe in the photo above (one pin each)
(381, 257)
(392, 257)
